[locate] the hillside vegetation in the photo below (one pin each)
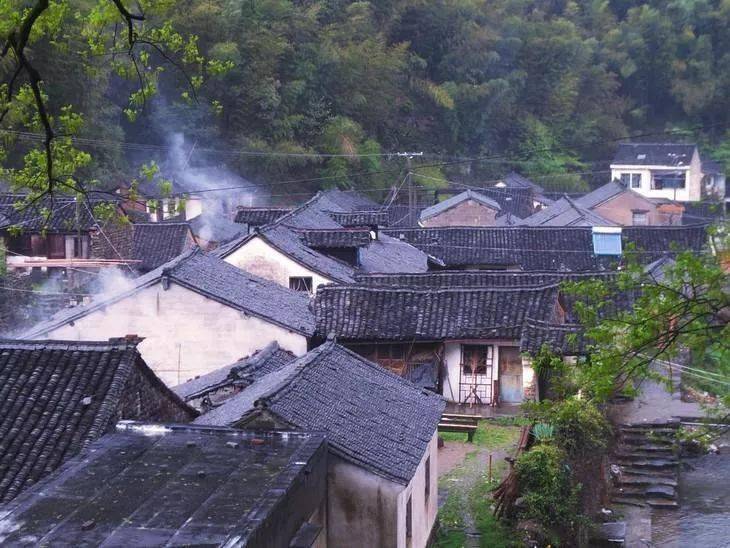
(545, 87)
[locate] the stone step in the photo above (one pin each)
(641, 453)
(649, 463)
(635, 439)
(659, 430)
(661, 492)
(638, 479)
(651, 491)
(650, 472)
(628, 501)
(662, 503)
(649, 448)
(669, 423)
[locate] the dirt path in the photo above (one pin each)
(463, 467)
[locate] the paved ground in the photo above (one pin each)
(486, 411)
(654, 403)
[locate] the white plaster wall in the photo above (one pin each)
(423, 511)
(452, 356)
(259, 258)
(692, 187)
(185, 333)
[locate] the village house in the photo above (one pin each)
(255, 217)
(515, 182)
(382, 487)
(308, 247)
(463, 342)
(625, 206)
(157, 485)
(470, 208)
(664, 170)
(144, 246)
(56, 397)
(207, 391)
(194, 314)
(566, 212)
(45, 235)
(548, 248)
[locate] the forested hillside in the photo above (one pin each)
(545, 87)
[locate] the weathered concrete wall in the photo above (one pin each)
(423, 509)
(259, 258)
(466, 213)
(362, 507)
(185, 333)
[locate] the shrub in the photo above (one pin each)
(580, 428)
(543, 432)
(546, 488)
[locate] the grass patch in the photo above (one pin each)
(470, 490)
(493, 533)
(488, 434)
(451, 519)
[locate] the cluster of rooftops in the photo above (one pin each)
(94, 447)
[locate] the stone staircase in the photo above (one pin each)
(645, 465)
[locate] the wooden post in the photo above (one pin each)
(490, 468)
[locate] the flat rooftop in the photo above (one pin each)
(161, 485)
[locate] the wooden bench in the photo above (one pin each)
(459, 423)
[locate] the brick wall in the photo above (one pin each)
(115, 236)
(467, 213)
(146, 398)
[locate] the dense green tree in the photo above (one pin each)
(547, 87)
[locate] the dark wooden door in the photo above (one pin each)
(510, 374)
(56, 246)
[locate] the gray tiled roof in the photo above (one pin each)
(371, 417)
(32, 218)
(398, 314)
(215, 279)
(448, 203)
(313, 225)
(654, 154)
(243, 372)
(564, 339)
(475, 278)
(566, 212)
(602, 194)
(55, 398)
(154, 244)
(515, 180)
(215, 228)
(387, 254)
(544, 247)
(172, 485)
(259, 216)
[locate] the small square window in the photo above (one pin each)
(300, 283)
(639, 218)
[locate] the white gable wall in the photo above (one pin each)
(261, 259)
(186, 334)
